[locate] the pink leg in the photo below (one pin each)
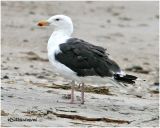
(72, 92)
(82, 93)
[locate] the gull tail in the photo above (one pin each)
(129, 79)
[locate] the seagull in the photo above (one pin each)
(78, 60)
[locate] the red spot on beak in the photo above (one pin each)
(40, 24)
(43, 23)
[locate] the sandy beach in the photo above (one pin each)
(30, 89)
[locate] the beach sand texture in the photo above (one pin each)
(30, 89)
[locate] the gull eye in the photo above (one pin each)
(57, 19)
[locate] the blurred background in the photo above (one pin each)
(128, 30)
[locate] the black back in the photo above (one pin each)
(86, 59)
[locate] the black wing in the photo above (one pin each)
(86, 59)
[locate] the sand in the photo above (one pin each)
(30, 89)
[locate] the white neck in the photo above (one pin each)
(58, 37)
(67, 31)
(61, 33)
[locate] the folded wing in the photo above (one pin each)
(86, 59)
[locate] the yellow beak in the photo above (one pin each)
(43, 23)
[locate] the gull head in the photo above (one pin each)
(60, 23)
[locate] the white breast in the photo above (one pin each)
(53, 48)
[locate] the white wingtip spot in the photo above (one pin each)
(121, 73)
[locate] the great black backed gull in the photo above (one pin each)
(79, 60)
